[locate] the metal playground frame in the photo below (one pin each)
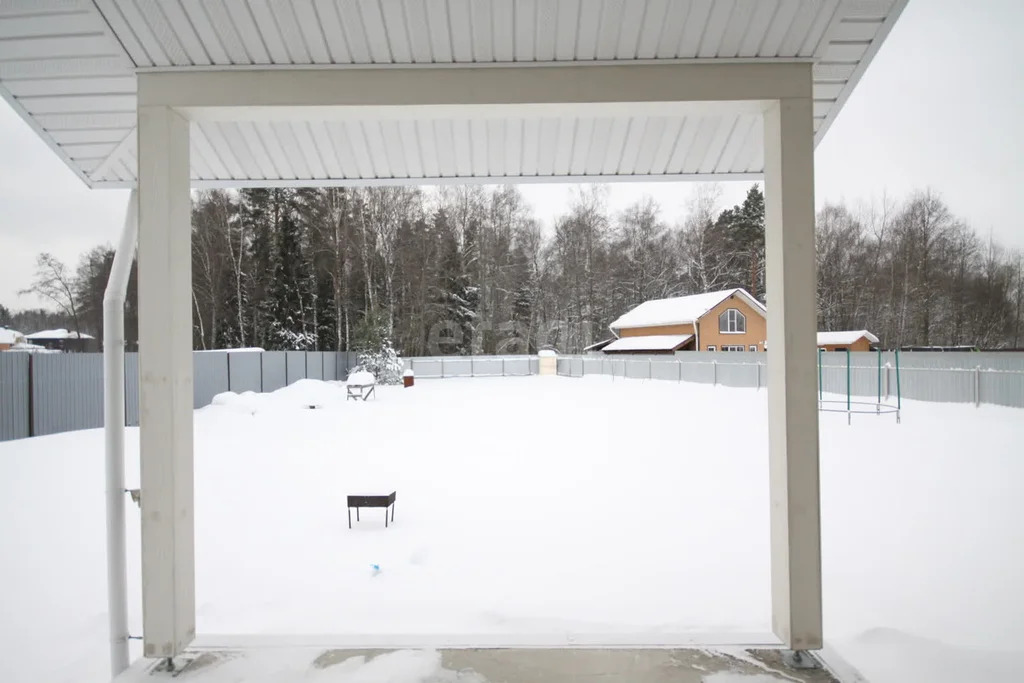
(850, 406)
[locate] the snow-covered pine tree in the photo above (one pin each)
(455, 299)
(292, 290)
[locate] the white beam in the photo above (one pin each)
(165, 382)
(443, 112)
(792, 405)
(587, 84)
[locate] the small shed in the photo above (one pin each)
(847, 340)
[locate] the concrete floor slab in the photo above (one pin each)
(295, 665)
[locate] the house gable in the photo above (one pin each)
(756, 325)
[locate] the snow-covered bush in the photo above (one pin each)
(376, 353)
(383, 362)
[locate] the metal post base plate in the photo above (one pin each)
(800, 659)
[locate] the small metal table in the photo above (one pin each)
(372, 502)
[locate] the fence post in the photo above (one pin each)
(977, 386)
(757, 367)
(472, 372)
(650, 368)
(885, 377)
(679, 370)
(714, 373)
(442, 367)
(502, 366)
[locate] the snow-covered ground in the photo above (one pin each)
(538, 505)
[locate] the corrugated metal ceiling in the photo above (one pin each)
(67, 66)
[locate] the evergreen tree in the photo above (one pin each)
(742, 228)
(292, 293)
(455, 298)
(517, 332)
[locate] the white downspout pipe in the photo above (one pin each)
(113, 428)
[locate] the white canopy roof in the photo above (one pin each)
(679, 309)
(68, 68)
(654, 342)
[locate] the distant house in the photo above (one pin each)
(10, 338)
(849, 340)
(63, 340)
(727, 320)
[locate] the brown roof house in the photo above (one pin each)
(727, 320)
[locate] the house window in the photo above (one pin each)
(732, 347)
(711, 347)
(753, 347)
(732, 321)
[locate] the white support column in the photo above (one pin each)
(792, 397)
(165, 382)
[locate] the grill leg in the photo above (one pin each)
(392, 512)
(350, 518)
(385, 518)
(357, 514)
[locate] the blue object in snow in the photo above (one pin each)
(376, 569)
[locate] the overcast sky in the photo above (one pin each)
(939, 107)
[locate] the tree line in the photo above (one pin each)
(468, 269)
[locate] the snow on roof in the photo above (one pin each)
(58, 334)
(9, 336)
(651, 342)
(679, 309)
(547, 353)
(845, 337)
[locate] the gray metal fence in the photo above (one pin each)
(67, 393)
(437, 367)
(44, 394)
(50, 393)
(995, 378)
(15, 415)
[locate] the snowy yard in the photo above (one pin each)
(538, 505)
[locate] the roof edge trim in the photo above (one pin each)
(44, 135)
(869, 55)
(374, 66)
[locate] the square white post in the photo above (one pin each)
(165, 382)
(792, 398)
